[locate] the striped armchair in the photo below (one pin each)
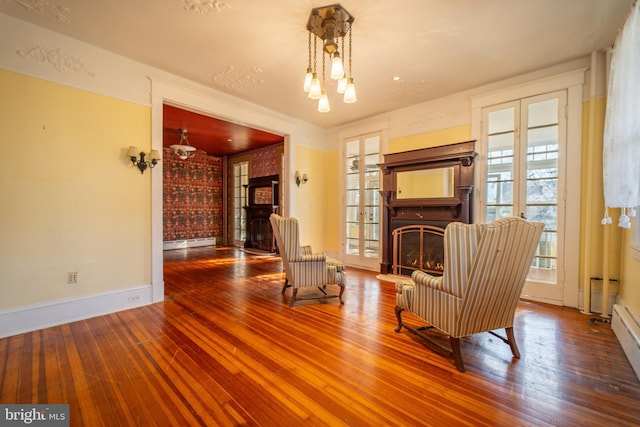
(302, 267)
(485, 268)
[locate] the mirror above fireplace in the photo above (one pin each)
(425, 183)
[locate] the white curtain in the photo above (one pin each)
(621, 154)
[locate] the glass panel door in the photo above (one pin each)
(240, 179)
(525, 167)
(362, 201)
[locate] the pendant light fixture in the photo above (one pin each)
(183, 149)
(329, 23)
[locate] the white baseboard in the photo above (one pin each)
(190, 243)
(40, 316)
(627, 329)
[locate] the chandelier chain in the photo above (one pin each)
(315, 54)
(350, 75)
(309, 51)
(323, 71)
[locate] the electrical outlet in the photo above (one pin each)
(134, 299)
(72, 277)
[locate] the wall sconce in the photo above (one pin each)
(142, 164)
(301, 179)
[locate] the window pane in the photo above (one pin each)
(543, 213)
(501, 121)
(501, 145)
(353, 181)
(352, 197)
(353, 217)
(543, 113)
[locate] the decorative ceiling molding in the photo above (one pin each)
(46, 9)
(60, 60)
(239, 81)
(415, 91)
(436, 33)
(205, 6)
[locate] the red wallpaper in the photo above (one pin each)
(192, 198)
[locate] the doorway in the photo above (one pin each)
(211, 106)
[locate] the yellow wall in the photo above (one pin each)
(309, 201)
(430, 139)
(592, 231)
(332, 202)
(70, 200)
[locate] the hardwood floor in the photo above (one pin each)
(224, 348)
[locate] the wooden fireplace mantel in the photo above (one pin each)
(433, 210)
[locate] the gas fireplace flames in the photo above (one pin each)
(428, 265)
(434, 266)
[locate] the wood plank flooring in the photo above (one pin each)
(225, 349)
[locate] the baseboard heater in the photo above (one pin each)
(627, 330)
(190, 243)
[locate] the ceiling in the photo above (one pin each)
(404, 52)
(216, 137)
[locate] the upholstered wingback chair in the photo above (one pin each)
(485, 268)
(302, 267)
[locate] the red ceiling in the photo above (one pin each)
(216, 137)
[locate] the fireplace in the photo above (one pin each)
(263, 194)
(423, 191)
(418, 247)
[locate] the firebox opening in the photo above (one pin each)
(418, 247)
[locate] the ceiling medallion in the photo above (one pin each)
(205, 6)
(46, 9)
(237, 80)
(60, 60)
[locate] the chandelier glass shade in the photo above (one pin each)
(183, 149)
(329, 24)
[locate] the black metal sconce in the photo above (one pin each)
(142, 164)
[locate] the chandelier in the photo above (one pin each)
(330, 24)
(184, 151)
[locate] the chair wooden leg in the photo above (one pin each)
(293, 297)
(286, 285)
(512, 342)
(399, 311)
(455, 350)
(341, 292)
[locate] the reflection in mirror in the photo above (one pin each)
(425, 183)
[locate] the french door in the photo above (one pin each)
(362, 201)
(240, 180)
(525, 174)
